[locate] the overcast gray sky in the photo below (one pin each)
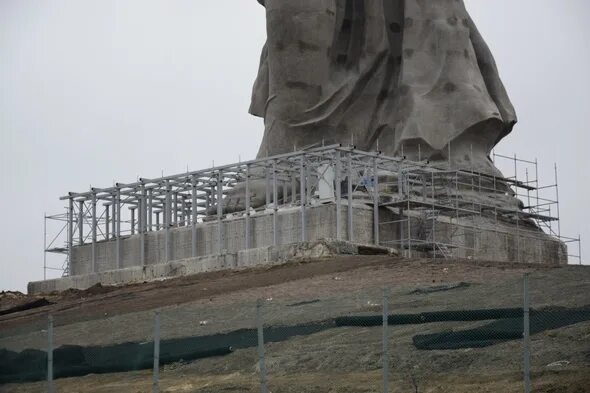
(96, 91)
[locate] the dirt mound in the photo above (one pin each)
(9, 298)
(97, 289)
(13, 302)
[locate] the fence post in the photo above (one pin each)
(50, 355)
(526, 336)
(385, 341)
(156, 372)
(261, 363)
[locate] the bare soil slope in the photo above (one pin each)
(346, 359)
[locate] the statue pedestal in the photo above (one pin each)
(416, 234)
(401, 233)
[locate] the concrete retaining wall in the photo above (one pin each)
(480, 238)
(240, 260)
(320, 224)
(490, 241)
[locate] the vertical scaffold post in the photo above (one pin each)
(537, 185)
(94, 224)
(188, 216)
(45, 217)
(175, 209)
(526, 336)
(528, 189)
(80, 223)
(247, 207)
(143, 224)
(114, 217)
(167, 220)
(495, 191)
(139, 220)
(457, 202)
(275, 205)
(303, 193)
(118, 232)
(44, 246)
(285, 192)
(580, 248)
(150, 212)
(516, 210)
(338, 184)
(194, 217)
(50, 355)
(183, 217)
(267, 183)
(557, 203)
(70, 230)
(375, 203)
(293, 186)
(261, 362)
(141, 207)
(409, 225)
(434, 217)
(308, 181)
(132, 210)
(107, 221)
(220, 239)
(208, 201)
(156, 369)
(349, 191)
(385, 340)
(400, 192)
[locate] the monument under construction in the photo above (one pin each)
(318, 202)
(380, 119)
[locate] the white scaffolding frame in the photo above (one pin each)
(417, 193)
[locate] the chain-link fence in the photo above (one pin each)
(526, 333)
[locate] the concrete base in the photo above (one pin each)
(225, 237)
(475, 237)
(243, 259)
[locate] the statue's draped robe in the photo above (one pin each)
(411, 74)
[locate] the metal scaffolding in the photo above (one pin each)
(412, 196)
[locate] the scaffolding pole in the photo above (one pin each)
(167, 222)
(303, 193)
(247, 206)
(375, 203)
(142, 226)
(349, 196)
(118, 234)
(194, 218)
(338, 185)
(70, 243)
(94, 224)
(220, 240)
(275, 203)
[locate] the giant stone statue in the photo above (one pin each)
(410, 78)
(413, 76)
